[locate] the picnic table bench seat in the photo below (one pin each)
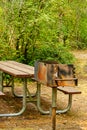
(69, 90)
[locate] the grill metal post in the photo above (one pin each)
(1, 81)
(54, 98)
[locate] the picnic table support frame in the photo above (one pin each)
(39, 100)
(48, 112)
(23, 103)
(68, 106)
(20, 96)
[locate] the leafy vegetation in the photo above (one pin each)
(42, 29)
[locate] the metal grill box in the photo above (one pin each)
(53, 74)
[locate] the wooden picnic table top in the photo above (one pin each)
(17, 69)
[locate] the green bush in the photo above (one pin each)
(57, 53)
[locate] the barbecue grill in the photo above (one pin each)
(53, 74)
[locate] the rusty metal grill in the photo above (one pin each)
(53, 74)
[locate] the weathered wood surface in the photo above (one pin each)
(54, 74)
(69, 90)
(16, 69)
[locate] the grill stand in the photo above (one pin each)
(54, 101)
(54, 98)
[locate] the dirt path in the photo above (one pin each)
(75, 119)
(81, 62)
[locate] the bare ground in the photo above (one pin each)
(31, 119)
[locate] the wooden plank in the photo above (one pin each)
(14, 72)
(19, 66)
(22, 65)
(69, 90)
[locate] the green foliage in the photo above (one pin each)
(6, 53)
(52, 52)
(31, 30)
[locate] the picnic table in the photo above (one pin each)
(19, 70)
(15, 70)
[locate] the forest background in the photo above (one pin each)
(42, 29)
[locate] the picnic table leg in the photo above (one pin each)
(23, 104)
(13, 91)
(54, 98)
(68, 106)
(39, 100)
(20, 96)
(48, 112)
